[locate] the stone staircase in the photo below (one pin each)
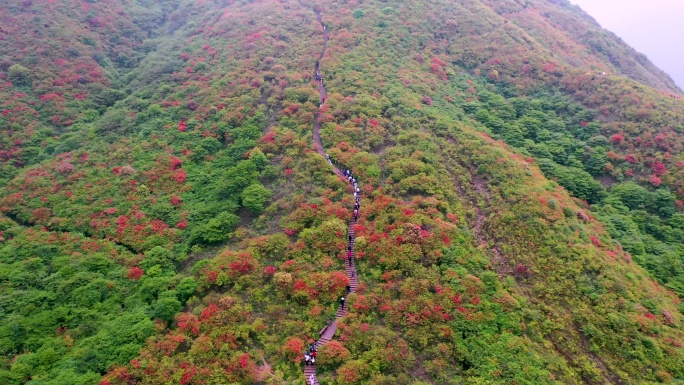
(329, 332)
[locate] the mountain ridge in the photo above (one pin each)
(487, 250)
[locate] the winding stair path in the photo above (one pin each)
(328, 332)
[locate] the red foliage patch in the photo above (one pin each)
(188, 321)
(176, 163)
(289, 264)
(244, 265)
(212, 276)
(293, 348)
(549, 67)
(658, 168)
(134, 273)
(209, 312)
(655, 181)
(188, 375)
(617, 138)
(180, 175)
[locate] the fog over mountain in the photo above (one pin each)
(290, 192)
(651, 27)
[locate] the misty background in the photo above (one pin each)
(653, 27)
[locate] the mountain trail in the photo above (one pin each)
(328, 332)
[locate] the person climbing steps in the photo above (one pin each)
(328, 332)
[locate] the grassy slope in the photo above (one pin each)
(477, 269)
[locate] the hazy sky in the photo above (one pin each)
(652, 27)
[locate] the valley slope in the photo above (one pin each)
(166, 218)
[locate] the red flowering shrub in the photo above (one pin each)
(244, 265)
(655, 180)
(188, 322)
(617, 138)
(293, 349)
(65, 167)
(212, 276)
(175, 200)
(658, 168)
(287, 265)
(332, 354)
(175, 162)
(209, 312)
(134, 273)
(180, 175)
(597, 242)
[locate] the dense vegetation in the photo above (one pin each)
(165, 219)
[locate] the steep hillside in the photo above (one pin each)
(521, 223)
(580, 42)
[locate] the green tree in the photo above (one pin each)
(631, 194)
(167, 306)
(237, 179)
(186, 288)
(257, 156)
(255, 197)
(217, 229)
(577, 181)
(115, 122)
(662, 202)
(158, 256)
(596, 161)
(19, 75)
(207, 146)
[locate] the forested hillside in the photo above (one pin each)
(166, 218)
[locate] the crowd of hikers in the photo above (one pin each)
(310, 353)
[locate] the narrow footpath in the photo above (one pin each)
(322, 92)
(328, 332)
